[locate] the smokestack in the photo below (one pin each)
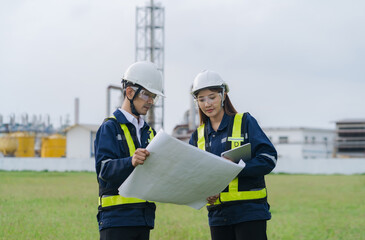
(77, 111)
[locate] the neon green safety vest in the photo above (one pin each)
(108, 201)
(233, 194)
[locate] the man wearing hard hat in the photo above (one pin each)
(119, 148)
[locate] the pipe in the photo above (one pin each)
(109, 88)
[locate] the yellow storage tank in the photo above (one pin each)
(8, 145)
(53, 146)
(25, 143)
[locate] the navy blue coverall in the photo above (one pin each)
(263, 161)
(113, 165)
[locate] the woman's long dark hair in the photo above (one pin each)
(227, 106)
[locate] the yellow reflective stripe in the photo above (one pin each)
(201, 145)
(127, 134)
(236, 131)
(243, 195)
(117, 200)
(233, 185)
(151, 135)
(235, 139)
(201, 139)
(236, 134)
(215, 203)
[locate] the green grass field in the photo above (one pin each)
(51, 205)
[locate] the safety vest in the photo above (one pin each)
(237, 138)
(115, 200)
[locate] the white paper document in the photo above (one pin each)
(176, 172)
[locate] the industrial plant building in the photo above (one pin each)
(350, 139)
(303, 143)
(80, 140)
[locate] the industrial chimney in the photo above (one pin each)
(77, 111)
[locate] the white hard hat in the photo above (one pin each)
(208, 79)
(145, 74)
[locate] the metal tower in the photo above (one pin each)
(150, 21)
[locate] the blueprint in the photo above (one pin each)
(176, 172)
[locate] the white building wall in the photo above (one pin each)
(79, 143)
(284, 165)
(318, 143)
(320, 166)
(294, 136)
(306, 143)
(47, 164)
(289, 150)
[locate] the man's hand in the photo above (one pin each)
(212, 199)
(139, 156)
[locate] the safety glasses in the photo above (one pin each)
(146, 95)
(208, 99)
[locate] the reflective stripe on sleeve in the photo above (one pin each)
(102, 166)
(269, 156)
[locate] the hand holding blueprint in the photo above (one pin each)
(176, 172)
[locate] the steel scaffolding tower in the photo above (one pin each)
(150, 21)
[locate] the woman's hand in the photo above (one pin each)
(227, 158)
(212, 199)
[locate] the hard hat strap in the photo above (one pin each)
(133, 108)
(222, 96)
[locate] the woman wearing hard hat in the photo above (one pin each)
(241, 210)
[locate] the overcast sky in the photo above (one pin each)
(289, 63)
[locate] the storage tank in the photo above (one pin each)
(8, 145)
(25, 144)
(53, 146)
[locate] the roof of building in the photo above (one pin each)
(297, 129)
(351, 120)
(89, 127)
